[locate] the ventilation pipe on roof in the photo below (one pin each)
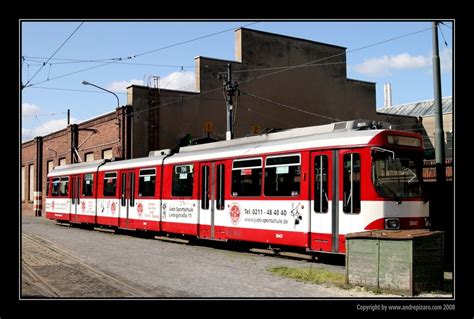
(387, 95)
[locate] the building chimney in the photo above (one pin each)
(387, 95)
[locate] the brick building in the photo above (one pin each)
(102, 137)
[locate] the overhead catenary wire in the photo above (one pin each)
(73, 61)
(188, 41)
(207, 67)
(287, 69)
(252, 79)
(251, 109)
(338, 54)
(57, 50)
(444, 39)
(284, 68)
(49, 114)
(115, 60)
(443, 23)
(290, 107)
(71, 73)
(73, 90)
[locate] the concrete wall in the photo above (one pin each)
(156, 123)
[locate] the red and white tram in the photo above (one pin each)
(304, 187)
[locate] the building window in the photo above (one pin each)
(62, 161)
(89, 157)
(88, 185)
(107, 154)
(23, 183)
(247, 177)
(146, 183)
(31, 181)
(110, 184)
(50, 166)
(282, 175)
(351, 183)
(183, 176)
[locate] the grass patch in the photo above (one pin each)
(311, 275)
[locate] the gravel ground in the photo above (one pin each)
(174, 270)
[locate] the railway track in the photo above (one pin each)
(50, 272)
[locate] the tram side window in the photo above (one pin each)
(55, 188)
(87, 184)
(63, 186)
(321, 184)
(110, 184)
(282, 175)
(247, 177)
(146, 183)
(351, 183)
(183, 177)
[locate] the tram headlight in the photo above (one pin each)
(392, 223)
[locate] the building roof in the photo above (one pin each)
(422, 108)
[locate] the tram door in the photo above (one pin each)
(211, 199)
(324, 232)
(75, 199)
(127, 197)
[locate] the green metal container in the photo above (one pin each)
(397, 261)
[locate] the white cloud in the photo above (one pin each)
(121, 86)
(28, 109)
(383, 65)
(41, 129)
(180, 80)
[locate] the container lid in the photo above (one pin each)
(395, 234)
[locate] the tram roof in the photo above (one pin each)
(341, 134)
(76, 168)
(271, 145)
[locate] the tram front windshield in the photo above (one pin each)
(397, 174)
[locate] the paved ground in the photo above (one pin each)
(78, 263)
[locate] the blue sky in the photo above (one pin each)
(404, 62)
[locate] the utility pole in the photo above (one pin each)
(68, 116)
(439, 132)
(38, 197)
(230, 88)
(74, 138)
